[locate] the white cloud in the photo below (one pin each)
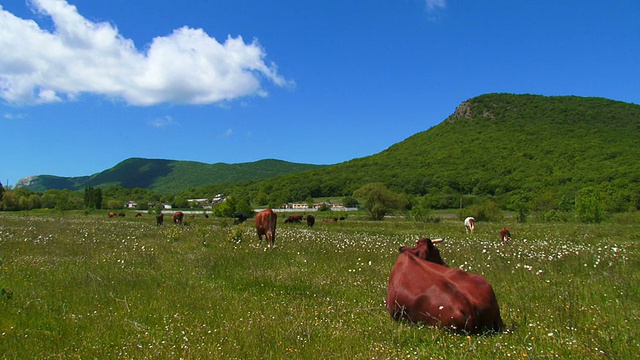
(435, 4)
(228, 133)
(185, 67)
(163, 122)
(9, 116)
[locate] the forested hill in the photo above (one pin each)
(167, 176)
(496, 144)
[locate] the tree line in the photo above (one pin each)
(590, 204)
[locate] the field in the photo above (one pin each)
(87, 286)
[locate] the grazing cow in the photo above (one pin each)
(177, 217)
(422, 289)
(159, 219)
(470, 224)
(266, 222)
(505, 235)
(239, 218)
(293, 219)
(311, 220)
(121, 214)
(112, 214)
(138, 214)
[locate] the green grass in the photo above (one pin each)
(86, 286)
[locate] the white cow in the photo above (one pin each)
(470, 224)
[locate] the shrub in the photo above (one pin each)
(487, 210)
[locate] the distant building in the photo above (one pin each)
(219, 198)
(322, 204)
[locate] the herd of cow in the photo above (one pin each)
(177, 217)
(422, 288)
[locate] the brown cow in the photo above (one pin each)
(266, 222)
(293, 219)
(422, 289)
(177, 217)
(505, 235)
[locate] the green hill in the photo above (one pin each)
(495, 144)
(492, 145)
(165, 176)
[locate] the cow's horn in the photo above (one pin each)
(435, 241)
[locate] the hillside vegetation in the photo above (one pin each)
(167, 176)
(495, 145)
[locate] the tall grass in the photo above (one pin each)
(86, 286)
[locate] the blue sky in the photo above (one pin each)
(85, 84)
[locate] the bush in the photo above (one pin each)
(379, 201)
(487, 210)
(589, 205)
(555, 216)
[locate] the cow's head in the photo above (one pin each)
(425, 250)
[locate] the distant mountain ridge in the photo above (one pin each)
(165, 176)
(493, 144)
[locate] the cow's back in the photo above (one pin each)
(425, 292)
(480, 293)
(265, 223)
(419, 293)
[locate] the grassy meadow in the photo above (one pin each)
(89, 286)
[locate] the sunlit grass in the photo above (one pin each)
(89, 286)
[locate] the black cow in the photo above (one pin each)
(239, 218)
(311, 220)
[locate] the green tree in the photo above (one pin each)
(589, 205)
(157, 208)
(421, 211)
(224, 209)
(520, 203)
(379, 201)
(10, 201)
(180, 202)
(350, 201)
(49, 198)
(487, 210)
(92, 198)
(1, 191)
(63, 201)
(243, 206)
(309, 201)
(34, 202)
(114, 204)
(261, 198)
